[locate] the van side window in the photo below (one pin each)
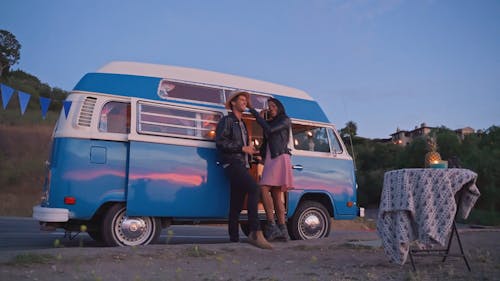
(177, 122)
(258, 101)
(115, 118)
(334, 141)
(169, 89)
(311, 138)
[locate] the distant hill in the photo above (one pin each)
(23, 151)
(30, 84)
(25, 143)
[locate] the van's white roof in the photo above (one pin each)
(201, 76)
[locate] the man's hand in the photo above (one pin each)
(249, 149)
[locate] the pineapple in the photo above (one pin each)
(432, 156)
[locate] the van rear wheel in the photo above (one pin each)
(118, 229)
(310, 221)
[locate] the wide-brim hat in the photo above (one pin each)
(235, 94)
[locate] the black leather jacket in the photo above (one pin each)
(229, 141)
(276, 132)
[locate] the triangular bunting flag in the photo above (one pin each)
(67, 106)
(6, 94)
(44, 105)
(23, 100)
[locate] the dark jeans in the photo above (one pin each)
(242, 183)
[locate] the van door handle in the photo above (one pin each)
(297, 167)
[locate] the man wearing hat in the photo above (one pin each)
(234, 151)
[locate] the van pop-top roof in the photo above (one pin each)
(202, 77)
(142, 80)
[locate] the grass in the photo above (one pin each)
(24, 147)
(32, 116)
(24, 143)
(481, 256)
(22, 169)
(354, 246)
(370, 224)
(482, 217)
(306, 248)
(31, 258)
(197, 251)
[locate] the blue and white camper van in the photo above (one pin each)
(136, 153)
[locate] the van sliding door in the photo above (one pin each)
(173, 168)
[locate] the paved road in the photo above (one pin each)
(24, 233)
(18, 233)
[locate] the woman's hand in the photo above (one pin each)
(263, 113)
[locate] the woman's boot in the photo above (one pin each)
(257, 239)
(284, 232)
(272, 232)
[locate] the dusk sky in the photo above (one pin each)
(382, 64)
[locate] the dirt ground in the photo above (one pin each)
(352, 252)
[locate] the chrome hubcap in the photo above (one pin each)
(132, 231)
(312, 224)
(133, 227)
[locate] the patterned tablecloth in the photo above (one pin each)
(419, 204)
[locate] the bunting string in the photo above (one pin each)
(24, 99)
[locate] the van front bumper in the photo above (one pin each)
(45, 214)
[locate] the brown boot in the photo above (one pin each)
(257, 239)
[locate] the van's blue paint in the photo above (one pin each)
(120, 84)
(176, 181)
(330, 176)
(173, 180)
(303, 109)
(92, 184)
(147, 88)
(98, 155)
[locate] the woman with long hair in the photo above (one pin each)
(277, 175)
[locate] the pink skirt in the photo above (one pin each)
(277, 171)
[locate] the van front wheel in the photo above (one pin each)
(118, 229)
(310, 221)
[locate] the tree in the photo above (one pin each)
(448, 143)
(413, 155)
(30, 84)
(478, 152)
(9, 50)
(350, 129)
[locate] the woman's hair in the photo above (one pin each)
(279, 105)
